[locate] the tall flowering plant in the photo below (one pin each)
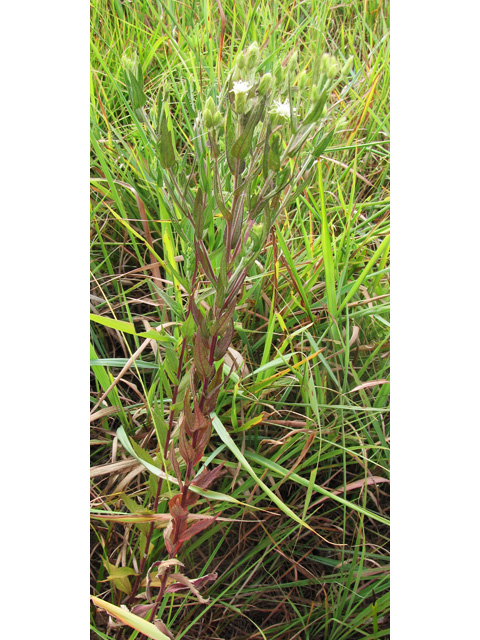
(255, 144)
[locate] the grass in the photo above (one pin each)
(303, 430)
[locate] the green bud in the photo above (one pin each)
(208, 119)
(265, 84)
(292, 63)
(241, 62)
(302, 80)
(130, 63)
(253, 54)
(217, 119)
(329, 66)
(347, 67)
(210, 105)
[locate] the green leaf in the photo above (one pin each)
(126, 327)
(165, 147)
(187, 328)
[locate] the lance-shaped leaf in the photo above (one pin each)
(227, 214)
(222, 282)
(200, 356)
(204, 260)
(199, 213)
(188, 413)
(201, 422)
(186, 449)
(225, 341)
(325, 140)
(213, 390)
(298, 139)
(135, 88)
(195, 528)
(176, 467)
(196, 313)
(205, 479)
(237, 230)
(165, 148)
(202, 441)
(221, 324)
(242, 145)
(187, 328)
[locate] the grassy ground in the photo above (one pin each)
(309, 412)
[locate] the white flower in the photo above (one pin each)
(282, 109)
(241, 86)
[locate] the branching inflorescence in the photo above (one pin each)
(256, 147)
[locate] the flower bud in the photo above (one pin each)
(292, 63)
(265, 84)
(210, 105)
(302, 80)
(253, 53)
(347, 67)
(208, 119)
(241, 62)
(329, 66)
(217, 119)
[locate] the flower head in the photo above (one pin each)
(282, 109)
(241, 86)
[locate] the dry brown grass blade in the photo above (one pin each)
(103, 413)
(113, 467)
(367, 385)
(358, 484)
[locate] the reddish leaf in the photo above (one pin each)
(197, 582)
(175, 507)
(203, 440)
(220, 326)
(167, 537)
(195, 528)
(187, 410)
(201, 422)
(197, 316)
(205, 479)
(173, 459)
(200, 357)
(186, 450)
(225, 341)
